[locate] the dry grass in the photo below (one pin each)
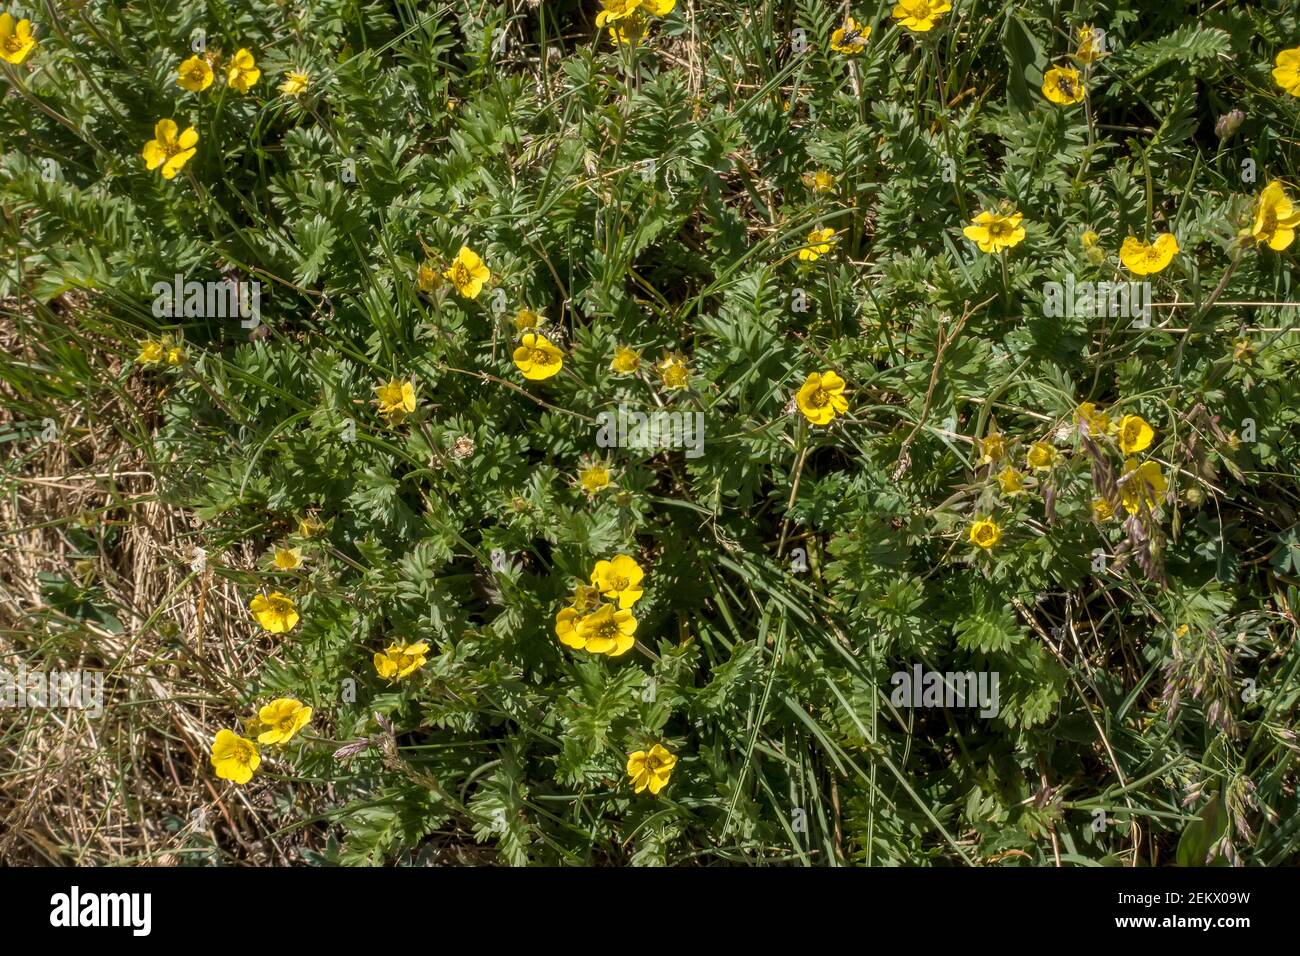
(131, 786)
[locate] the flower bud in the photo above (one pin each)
(1228, 124)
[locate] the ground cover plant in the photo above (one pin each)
(607, 432)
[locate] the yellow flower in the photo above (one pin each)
(16, 40)
(651, 769)
(526, 319)
(1102, 510)
(175, 354)
(566, 628)
(619, 580)
(1134, 434)
(287, 559)
(673, 371)
(992, 448)
(295, 83)
(920, 15)
(427, 278)
(242, 73)
(1012, 481)
(1286, 74)
(310, 526)
(1041, 456)
(821, 397)
(626, 360)
(1141, 485)
(585, 598)
(468, 273)
(1092, 423)
(275, 612)
(819, 243)
(1063, 85)
(615, 10)
(194, 75)
(398, 659)
(168, 150)
(606, 631)
(594, 478)
(658, 8)
(628, 31)
(1089, 239)
(395, 400)
(819, 181)
(1090, 48)
(1144, 258)
(850, 38)
(537, 357)
(985, 533)
(1276, 218)
(993, 232)
(234, 757)
(284, 717)
(151, 352)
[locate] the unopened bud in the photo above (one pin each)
(1228, 124)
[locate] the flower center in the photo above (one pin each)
(542, 357)
(608, 630)
(618, 584)
(13, 44)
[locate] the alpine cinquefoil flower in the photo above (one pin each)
(537, 357)
(468, 273)
(195, 75)
(993, 232)
(594, 478)
(16, 39)
(1148, 258)
(821, 397)
(993, 447)
(295, 83)
(287, 559)
(242, 72)
(1063, 85)
(395, 400)
(606, 631)
(283, 718)
(234, 757)
(819, 243)
(651, 769)
(920, 16)
(985, 533)
(1041, 456)
(400, 659)
(1276, 218)
(1134, 434)
(626, 361)
(673, 371)
(169, 150)
(1011, 481)
(619, 579)
(1141, 485)
(1286, 72)
(276, 612)
(851, 38)
(1090, 45)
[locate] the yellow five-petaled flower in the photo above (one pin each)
(985, 533)
(234, 757)
(537, 357)
(16, 39)
(242, 72)
(276, 612)
(1063, 85)
(993, 232)
(851, 38)
(1276, 218)
(821, 397)
(1134, 434)
(398, 659)
(819, 243)
(651, 769)
(619, 579)
(169, 150)
(1286, 72)
(282, 718)
(195, 74)
(468, 273)
(920, 15)
(1148, 258)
